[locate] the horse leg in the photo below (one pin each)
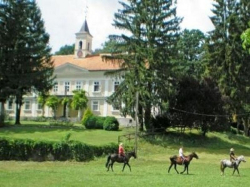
(175, 168)
(123, 166)
(222, 168)
(108, 167)
(170, 167)
(185, 167)
(129, 166)
(112, 165)
(236, 170)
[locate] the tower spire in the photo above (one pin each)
(83, 44)
(86, 10)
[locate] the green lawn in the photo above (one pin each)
(146, 171)
(149, 169)
(42, 131)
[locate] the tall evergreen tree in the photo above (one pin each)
(191, 51)
(228, 62)
(146, 53)
(25, 54)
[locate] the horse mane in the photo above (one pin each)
(240, 157)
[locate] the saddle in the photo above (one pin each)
(122, 157)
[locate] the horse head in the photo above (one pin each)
(241, 158)
(132, 153)
(195, 155)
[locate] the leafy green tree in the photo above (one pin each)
(145, 54)
(25, 53)
(245, 36)
(53, 102)
(65, 101)
(198, 103)
(66, 50)
(107, 47)
(228, 61)
(42, 97)
(87, 114)
(79, 102)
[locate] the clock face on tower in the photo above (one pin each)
(79, 54)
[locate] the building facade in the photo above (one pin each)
(80, 71)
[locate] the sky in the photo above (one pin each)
(64, 18)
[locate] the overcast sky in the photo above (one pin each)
(64, 18)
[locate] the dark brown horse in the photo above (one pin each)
(177, 160)
(116, 158)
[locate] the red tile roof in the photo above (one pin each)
(91, 63)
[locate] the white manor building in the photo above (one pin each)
(75, 72)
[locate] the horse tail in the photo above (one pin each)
(172, 158)
(108, 159)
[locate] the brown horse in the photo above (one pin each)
(116, 158)
(178, 160)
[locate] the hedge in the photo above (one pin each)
(26, 150)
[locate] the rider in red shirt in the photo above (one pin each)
(121, 151)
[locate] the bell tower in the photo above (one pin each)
(83, 44)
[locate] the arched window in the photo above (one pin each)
(80, 45)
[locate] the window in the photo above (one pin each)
(10, 105)
(116, 84)
(66, 87)
(80, 45)
(39, 106)
(78, 85)
(96, 86)
(115, 107)
(95, 106)
(55, 88)
(27, 105)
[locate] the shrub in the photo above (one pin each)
(65, 123)
(100, 121)
(87, 113)
(160, 122)
(24, 150)
(94, 122)
(111, 124)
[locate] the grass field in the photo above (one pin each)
(149, 169)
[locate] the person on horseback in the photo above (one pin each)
(181, 154)
(232, 156)
(121, 151)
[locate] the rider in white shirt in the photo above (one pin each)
(181, 154)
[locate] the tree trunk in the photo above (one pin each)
(147, 116)
(54, 113)
(140, 118)
(43, 110)
(246, 126)
(79, 115)
(64, 109)
(2, 113)
(18, 111)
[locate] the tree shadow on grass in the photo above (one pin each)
(217, 143)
